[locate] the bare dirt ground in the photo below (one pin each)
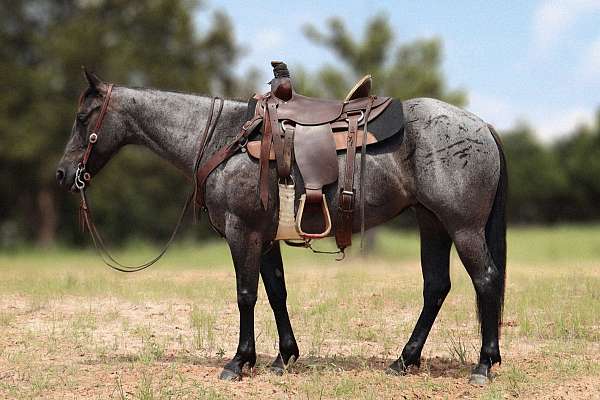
(71, 334)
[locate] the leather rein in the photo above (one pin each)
(83, 178)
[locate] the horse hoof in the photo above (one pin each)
(479, 380)
(228, 375)
(277, 370)
(395, 371)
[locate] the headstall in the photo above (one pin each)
(83, 178)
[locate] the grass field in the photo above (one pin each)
(71, 328)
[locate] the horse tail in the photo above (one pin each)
(495, 228)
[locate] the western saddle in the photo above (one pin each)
(311, 131)
(308, 131)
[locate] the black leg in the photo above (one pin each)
(435, 264)
(246, 248)
(475, 256)
(271, 270)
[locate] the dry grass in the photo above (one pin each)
(71, 329)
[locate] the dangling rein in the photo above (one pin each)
(83, 178)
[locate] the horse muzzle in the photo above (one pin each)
(65, 177)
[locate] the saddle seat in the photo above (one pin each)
(306, 110)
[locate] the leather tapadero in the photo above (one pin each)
(314, 150)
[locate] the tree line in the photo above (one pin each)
(158, 43)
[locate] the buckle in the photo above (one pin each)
(346, 202)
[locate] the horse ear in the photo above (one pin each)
(94, 81)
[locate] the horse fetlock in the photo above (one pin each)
(288, 348)
(247, 356)
(490, 355)
(411, 355)
(243, 356)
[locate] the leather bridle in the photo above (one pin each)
(83, 178)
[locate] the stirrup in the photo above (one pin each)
(326, 217)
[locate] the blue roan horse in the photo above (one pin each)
(449, 167)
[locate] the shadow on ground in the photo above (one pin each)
(434, 367)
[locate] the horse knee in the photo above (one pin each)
(246, 299)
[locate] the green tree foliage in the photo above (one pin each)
(537, 183)
(579, 157)
(408, 70)
(553, 182)
(43, 44)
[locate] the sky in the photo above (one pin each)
(536, 62)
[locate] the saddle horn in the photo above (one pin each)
(281, 85)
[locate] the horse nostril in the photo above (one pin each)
(60, 176)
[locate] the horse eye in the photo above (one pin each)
(82, 118)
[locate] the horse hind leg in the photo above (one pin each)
(435, 264)
(487, 279)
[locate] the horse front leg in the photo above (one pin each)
(271, 270)
(246, 247)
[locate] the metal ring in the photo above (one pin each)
(283, 123)
(93, 137)
(79, 183)
(87, 176)
(362, 116)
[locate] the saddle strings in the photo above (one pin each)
(85, 214)
(363, 155)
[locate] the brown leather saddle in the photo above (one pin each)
(310, 131)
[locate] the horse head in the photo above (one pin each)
(98, 132)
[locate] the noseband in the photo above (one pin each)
(83, 177)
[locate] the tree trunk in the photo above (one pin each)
(46, 234)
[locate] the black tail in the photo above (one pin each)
(495, 228)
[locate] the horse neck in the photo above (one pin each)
(172, 124)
